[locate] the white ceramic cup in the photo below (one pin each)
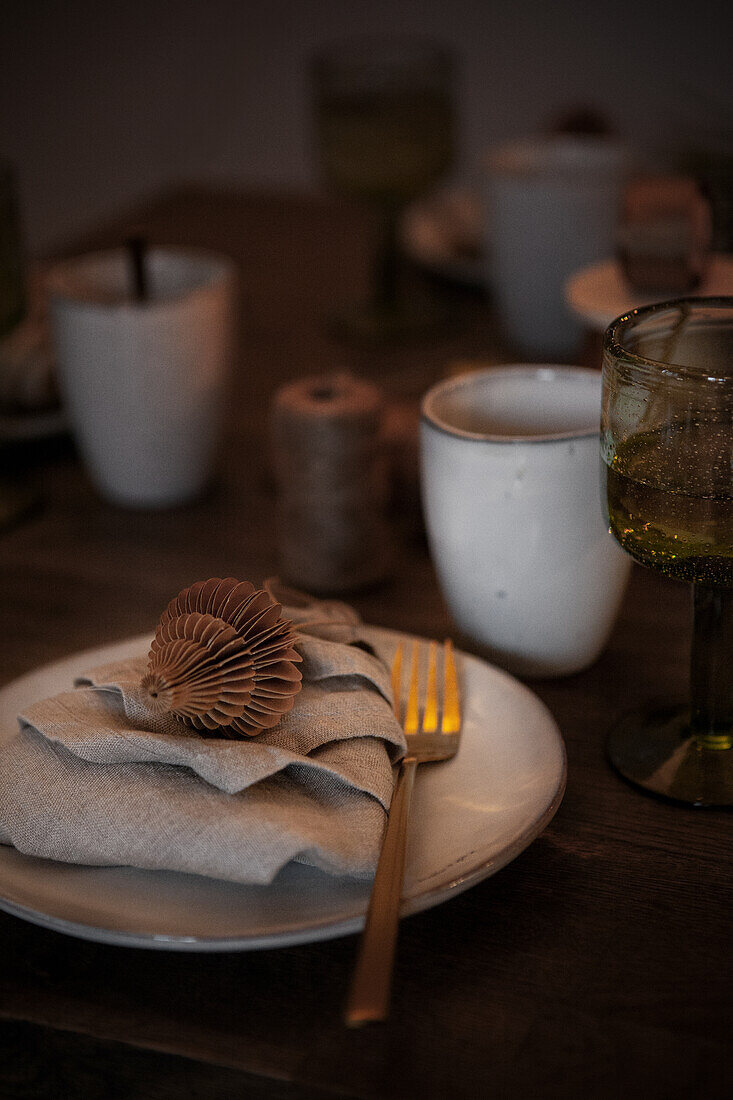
(551, 207)
(510, 485)
(143, 383)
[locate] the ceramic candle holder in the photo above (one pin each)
(143, 381)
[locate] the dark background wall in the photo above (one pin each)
(105, 101)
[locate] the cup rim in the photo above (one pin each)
(612, 345)
(223, 269)
(429, 416)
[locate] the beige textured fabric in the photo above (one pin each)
(93, 777)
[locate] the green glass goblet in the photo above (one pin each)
(667, 469)
(384, 117)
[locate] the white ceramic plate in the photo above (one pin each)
(470, 816)
(597, 295)
(443, 233)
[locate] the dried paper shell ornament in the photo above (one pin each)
(223, 659)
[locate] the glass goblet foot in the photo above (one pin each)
(655, 748)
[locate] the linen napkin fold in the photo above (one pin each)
(92, 776)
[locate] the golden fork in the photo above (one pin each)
(435, 738)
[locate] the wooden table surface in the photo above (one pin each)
(597, 964)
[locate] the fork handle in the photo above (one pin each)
(369, 994)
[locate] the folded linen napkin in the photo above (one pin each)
(92, 776)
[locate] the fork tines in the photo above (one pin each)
(450, 720)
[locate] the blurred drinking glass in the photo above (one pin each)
(385, 129)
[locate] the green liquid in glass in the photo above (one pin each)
(387, 147)
(669, 497)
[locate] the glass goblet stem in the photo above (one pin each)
(711, 667)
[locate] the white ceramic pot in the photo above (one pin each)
(510, 482)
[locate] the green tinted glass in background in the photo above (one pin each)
(385, 133)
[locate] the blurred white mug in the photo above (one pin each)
(551, 206)
(143, 382)
(510, 484)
